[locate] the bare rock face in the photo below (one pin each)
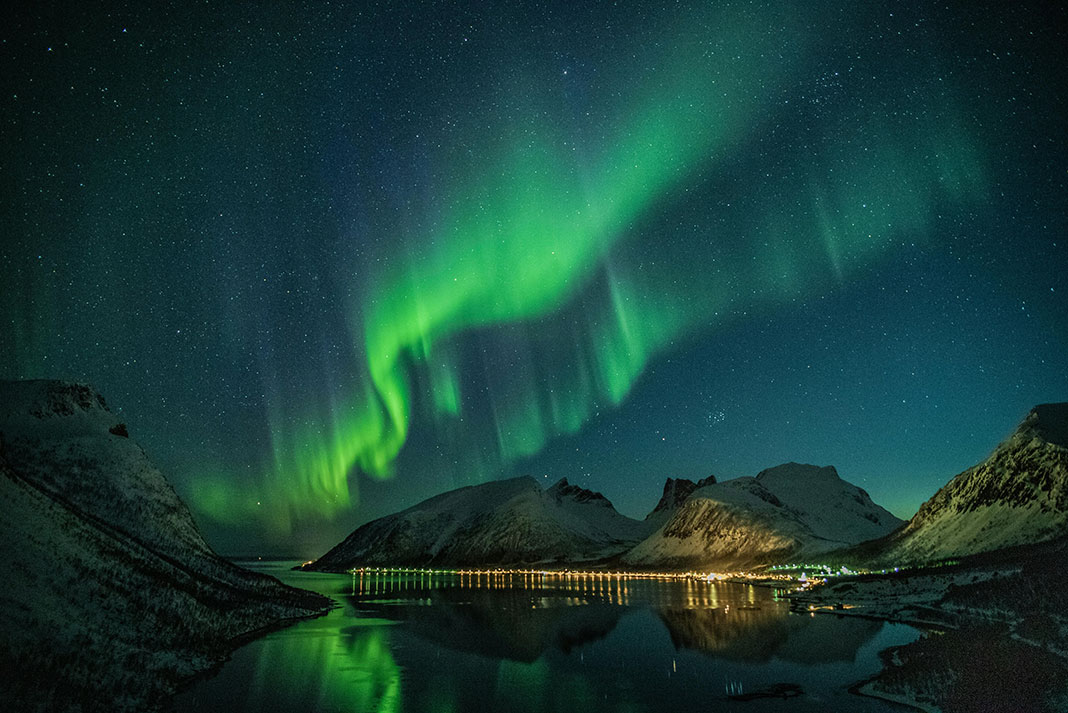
(112, 597)
(1019, 495)
(675, 493)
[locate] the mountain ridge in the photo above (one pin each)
(504, 521)
(111, 594)
(781, 512)
(564, 524)
(1017, 495)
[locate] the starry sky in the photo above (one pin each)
(331, 260)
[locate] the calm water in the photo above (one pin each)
(528, 643)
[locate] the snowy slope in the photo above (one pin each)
(1018, 495)
(501, 522)
(787, 511)
(833, 509)
(111, 596)
(59, 437)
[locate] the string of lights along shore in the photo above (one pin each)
(330, 261)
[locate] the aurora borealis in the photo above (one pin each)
(332, 261)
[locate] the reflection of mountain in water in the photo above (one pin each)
(521, 617)
(514, 624)
(762, 634)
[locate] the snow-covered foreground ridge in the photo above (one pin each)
(111, 595)
(1017, 496)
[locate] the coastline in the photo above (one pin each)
(970, 649)
(867, 689)
(224, 651)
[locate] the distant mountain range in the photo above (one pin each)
(1018, 495)
(111, 596)
(789, 510)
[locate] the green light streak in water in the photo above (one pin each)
(321, 667)
(530, 229)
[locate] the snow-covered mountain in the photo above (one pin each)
(500, 522)
(786, 511)
(1018, 495)
(111, 596)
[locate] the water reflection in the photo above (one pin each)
(421, 642)
(520, 616)
(335, 663)
(758, 635)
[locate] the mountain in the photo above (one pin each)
(787, 511)
(676, 490)
(1018, 495)
(111, 596)
(501, 522)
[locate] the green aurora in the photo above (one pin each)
(553, 233)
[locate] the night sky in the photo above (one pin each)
(329, 261)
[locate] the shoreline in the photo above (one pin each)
(892, 617)
(965, 638)
(866, 689)
(868, 686)
(225, 651)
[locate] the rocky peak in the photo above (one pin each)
(53, 409)
(562, 489)
(45, 399)
(1048, 422)
(676, 490)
